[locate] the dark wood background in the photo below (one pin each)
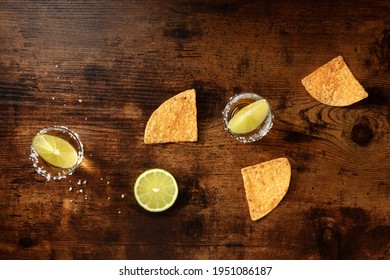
(102, 67)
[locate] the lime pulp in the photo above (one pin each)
(55, 151)
(156, 190)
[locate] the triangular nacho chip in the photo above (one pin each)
(175, 120)
(265, 185)
(334, 84)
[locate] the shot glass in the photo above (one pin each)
(46, 169)
(235, 104)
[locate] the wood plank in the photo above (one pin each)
(102, 68)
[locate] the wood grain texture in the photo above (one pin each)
(101, 69)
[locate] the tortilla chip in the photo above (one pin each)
(334, 84)
(174, 121)
(265, 185)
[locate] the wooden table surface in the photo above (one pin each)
(102, 67)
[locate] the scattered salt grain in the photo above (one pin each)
(81, 190)
(119, 212)
(71, 82)
(123, 195)
(80, 100)
(79, 182)
(86, 118)
(109, 198)
(70, 189)
(52, 98)
(108, 182)
(56, 66)
(84, 182)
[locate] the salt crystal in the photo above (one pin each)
(109, 198)
(70, 189)
(80, 100)
(86, 197)
(81, 190)
(56, 66)
(123, 195)
(58, 77)
(79, 182)
(119, 212)
(52, 98)
(84, 182)
(108, 182)
(71, 82)
(86, 118)
(64, 105)
(101, 179)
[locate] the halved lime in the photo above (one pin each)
(249, 118)
(55, 150)
(156, 190)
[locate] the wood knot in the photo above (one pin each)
(382, 49)
(362, 133)
(329, 243)
(193, 192)
(94, 73)
(194, 227)
(27, 242)
(182, 32)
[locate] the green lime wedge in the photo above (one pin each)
(249, 118)
(55, 150)
(156, 190)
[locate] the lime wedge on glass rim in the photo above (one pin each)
(249, 118)
(55, 150)
(156, 190)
